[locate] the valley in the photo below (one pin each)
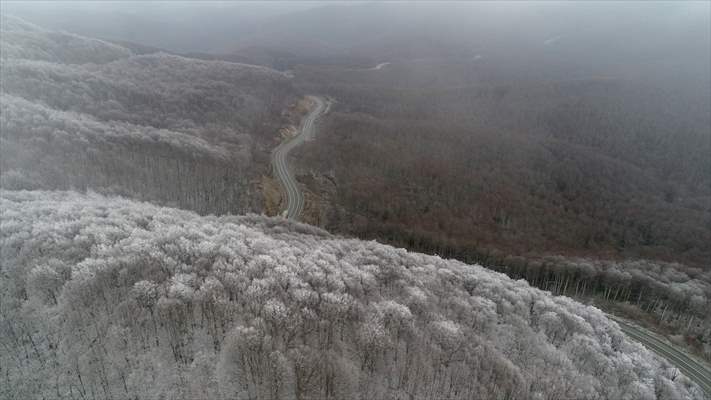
(302, 200)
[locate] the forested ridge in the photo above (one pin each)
(590, 167)
(536, 152)
(575, 185)
(87, 114)
(110, 298)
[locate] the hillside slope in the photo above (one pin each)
(21, 39)
(113, 298)
(82, 113)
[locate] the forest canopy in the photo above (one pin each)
(110, 297)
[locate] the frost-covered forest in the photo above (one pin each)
(133, 264)
(678, 297)
(84, 113)
(112, 298)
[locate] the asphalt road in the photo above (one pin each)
(294, 196)
(694, 369)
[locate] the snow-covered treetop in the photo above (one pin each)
(275, 309)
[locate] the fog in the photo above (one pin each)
(659, 40)
(170, 25)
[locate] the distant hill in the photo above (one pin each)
(642, 41)
(23, 40)
(176, 27)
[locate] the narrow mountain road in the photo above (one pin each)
(294, 196)
(695, 370)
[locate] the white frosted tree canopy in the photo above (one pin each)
(110, 298)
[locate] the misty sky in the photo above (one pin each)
(215, 26)
(662, 42)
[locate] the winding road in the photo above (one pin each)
(695, 370)
(294, 196)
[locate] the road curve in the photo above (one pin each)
(695, 370)
(280, 167)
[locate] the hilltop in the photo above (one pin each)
(120, 298)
